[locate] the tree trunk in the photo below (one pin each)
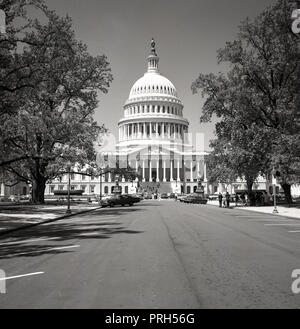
(251, 195)
(38, 191)
(287, 192)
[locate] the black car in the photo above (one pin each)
(164, 196)
(122, 200)
(195, 199)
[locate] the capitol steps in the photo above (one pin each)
(153, 187)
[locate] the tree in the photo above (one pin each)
(262, 87)
(54, 125)
(16, 75)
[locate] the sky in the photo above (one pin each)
(188, 34)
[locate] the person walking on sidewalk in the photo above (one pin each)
(220, 197)
(227, 200)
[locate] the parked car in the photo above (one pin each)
(195, 199)
(182, 197)
(105, 200)
(25, 197)
(172, 196)
(164, 196)
(122, 200)
(135, 197)
(148, 196)
(213, 197)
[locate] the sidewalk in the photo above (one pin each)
(15, 217)
(285, 211)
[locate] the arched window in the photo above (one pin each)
(105, 189)
(112, 189)
(195, 189)
(188, 190)
(126, 189)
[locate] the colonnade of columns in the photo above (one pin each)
(174, 169)
(151, 130)
(156, 109)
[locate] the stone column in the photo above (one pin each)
(192, 177)
(144, 178)
(109, 177)
(165, 178)
(178, 170)
(145, 131)
(150, 124)
(171, 171)
(163, 130)
(156, 127)
(150, 172)
(157, 171)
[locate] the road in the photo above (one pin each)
(154, 255)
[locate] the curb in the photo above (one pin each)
(266, 213)
(259, 212)
(46, 221)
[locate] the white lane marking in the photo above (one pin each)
(27, 241)
(287, 224)
(21, 276)
(43, 250)
(294, 231)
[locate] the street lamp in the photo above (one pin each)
(69, 212)
(275, 210)
(100, 195)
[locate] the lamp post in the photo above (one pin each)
(100, 195)
(69, 212)
(275, 210)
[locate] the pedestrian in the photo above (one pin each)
(246, 199)
(227, 200)
(220, 199)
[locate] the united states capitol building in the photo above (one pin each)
(154, 141)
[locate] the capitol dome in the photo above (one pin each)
(153, 83)
(153, 110)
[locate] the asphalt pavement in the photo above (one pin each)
(153, 255)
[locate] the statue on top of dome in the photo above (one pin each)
(153, 44)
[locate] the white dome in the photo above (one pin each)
(152, 84)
